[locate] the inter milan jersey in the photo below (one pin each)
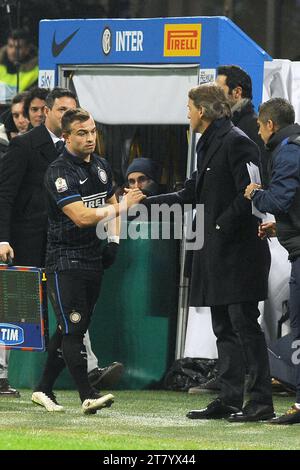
(70, 179)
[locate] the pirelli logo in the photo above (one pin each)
(182, 40)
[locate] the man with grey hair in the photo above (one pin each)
(230, 271)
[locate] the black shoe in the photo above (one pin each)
(106, 377)
(253, 411)
(292, 416)
(7, 391)
(217, 409)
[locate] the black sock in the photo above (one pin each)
(75, 356)
(54, 364)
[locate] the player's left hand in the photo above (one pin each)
(109, 254)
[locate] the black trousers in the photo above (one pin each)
(73, 295)
(294, 304)
(241, 345)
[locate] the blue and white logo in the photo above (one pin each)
(10, 335)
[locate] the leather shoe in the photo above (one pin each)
(291, 416)
(7, 391)
(217, 409)
(106, 377)
(253, 411)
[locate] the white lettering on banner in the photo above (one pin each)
(131, 41)
(8, 334)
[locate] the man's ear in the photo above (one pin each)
(237, 92)
(200, 112)
(271, 126)
(46, 110)
(65, 136)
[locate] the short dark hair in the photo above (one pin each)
(19, 98)
(72, 115)
(20, 33)
(278, 110)
(212, 98)
(36, 92)
(236, 76)
(57, 93)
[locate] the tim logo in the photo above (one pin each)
(10, 335)
(182, 40)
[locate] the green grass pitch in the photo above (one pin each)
(146, 420)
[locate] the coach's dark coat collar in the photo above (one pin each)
(216, 139)
(42, 141)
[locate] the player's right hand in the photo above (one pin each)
(6, 253)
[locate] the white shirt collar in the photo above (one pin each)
(54, 137)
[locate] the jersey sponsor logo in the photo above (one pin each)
(10, 334)
(58, 47)
(61, 185)
(129, 41)
(95, 200)
(83, 181)
(182, 40)
(106, 41)
(75, 317)
(102, 175)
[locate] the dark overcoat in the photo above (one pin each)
(233, 264)
(23, 216)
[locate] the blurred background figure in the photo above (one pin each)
(34, 106)
(237, 85)
(16, 122)
(13, 120)
(17, 112)
(18, 65)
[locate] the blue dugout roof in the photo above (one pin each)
(207, 41)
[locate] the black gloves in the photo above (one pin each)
(109, 254)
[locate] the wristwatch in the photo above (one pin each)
(253, 192)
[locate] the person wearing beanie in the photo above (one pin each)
(143, 173)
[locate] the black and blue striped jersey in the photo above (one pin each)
(70, 179)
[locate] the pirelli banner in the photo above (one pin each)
(205, 41)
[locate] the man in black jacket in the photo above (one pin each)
(230, 271)
(23, 216)
(282, 136)
(237, 86)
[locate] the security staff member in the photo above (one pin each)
(78, 185)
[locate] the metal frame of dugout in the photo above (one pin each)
(135, 74)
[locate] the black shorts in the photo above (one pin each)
(73, 295)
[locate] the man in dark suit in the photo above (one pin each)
(23, 216)
(237, 85)
(230, 271)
